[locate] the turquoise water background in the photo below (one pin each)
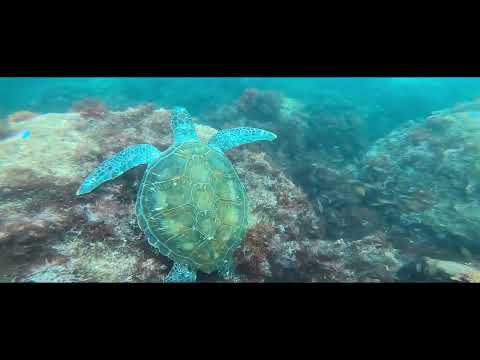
(400, 98)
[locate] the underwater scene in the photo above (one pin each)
(239, 180)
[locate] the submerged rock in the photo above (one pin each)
(436, 270)
(49, 234)
(96, 236)
(426, 179)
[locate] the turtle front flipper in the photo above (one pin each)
(228, 139)
(180, 274)
(182, 126)
(121, 162)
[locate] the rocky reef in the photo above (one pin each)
(435, 270)
(424, 177)
(49, 234)
(327, 203)
(417, 186)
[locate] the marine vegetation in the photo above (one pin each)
(20, 116)
(400, 207)
(90, 108)
(191, 203)
(260, 105)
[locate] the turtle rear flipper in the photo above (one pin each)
(227, 271)
(181, 274)
(121, 162)
(228, 139)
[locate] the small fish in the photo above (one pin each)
(379, 169)
(320, 206)
(385, 201)
(24, 134)
(469, 189)
(360, 190)
(466, 253)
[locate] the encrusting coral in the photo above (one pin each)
(316, 213)
(20, 116)
(429, 185)
(418, 185)
(96, 237)
(90, 108)
(87, 233)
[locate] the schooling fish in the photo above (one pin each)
(24, 134)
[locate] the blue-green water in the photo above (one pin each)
(366, 180)
(387, 100)
(412, 96)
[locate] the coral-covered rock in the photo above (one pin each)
(425, 176)
(318, 148)
(279, 211)
(20, 116)
(369, 259)
(309, 219)
(435, 270)
(90, 108)
(38, 180)
(49, 234)
(260, 105)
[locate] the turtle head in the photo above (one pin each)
(179, 113)
(182, 125)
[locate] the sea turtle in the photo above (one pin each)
(191, 204)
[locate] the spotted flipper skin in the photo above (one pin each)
(181, 274)
(228, 139)
(182, 125)
(121, 162)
